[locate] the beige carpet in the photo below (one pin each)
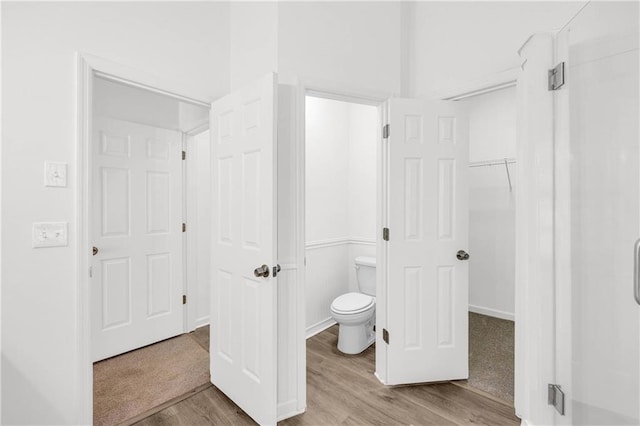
(201, 335)
(132, 383)
(491, 355)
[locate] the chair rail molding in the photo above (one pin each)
(330, 242)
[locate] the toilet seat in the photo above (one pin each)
(352, 303)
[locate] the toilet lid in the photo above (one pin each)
(352, 303)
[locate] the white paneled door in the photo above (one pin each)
(136, 286)
(243, 305)
(427, 291)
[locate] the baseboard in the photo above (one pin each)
(288, 409)
(320, 327)
(492, 312)
(375, 373)
(203, 322)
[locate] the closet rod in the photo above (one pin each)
(500, 162)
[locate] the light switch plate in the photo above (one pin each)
(49, 234)
(55, 174)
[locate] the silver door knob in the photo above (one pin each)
(462, 255)
(262, 271)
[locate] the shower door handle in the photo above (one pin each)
(636, 271)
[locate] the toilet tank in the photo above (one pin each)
(366, 274)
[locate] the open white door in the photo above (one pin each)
(427, 283)
(243, 306)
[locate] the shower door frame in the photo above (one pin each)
(564, 296)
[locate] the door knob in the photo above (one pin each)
(262, 271)
(462, 255)
(95, 250)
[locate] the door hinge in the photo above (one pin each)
(555, 397)
(385, 131)
(385, 335)
(184, 299)
(184, 155)
(385, 234)
(556, 77)
(184, 227)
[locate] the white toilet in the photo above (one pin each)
(355, 312)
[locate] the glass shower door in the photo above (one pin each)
(602, 83)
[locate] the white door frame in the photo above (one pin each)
(190, 243)
(494, 82)
(87, 67)
(322, 90)
(532, 335)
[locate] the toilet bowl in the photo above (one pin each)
(355, 311)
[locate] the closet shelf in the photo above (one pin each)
(499, 162)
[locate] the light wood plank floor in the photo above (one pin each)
(342, 390)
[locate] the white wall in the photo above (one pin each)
(340, 199)
(352, 45)
(186, 42)
(362, 155)
(326, 201)
(254, 41)
(459, 43)
(327, 165)
(492, 136)
(492, 123)
(364, 130)
(414, 49)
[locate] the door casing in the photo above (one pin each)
(191, 272)
(87, 67)
(340, 94)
